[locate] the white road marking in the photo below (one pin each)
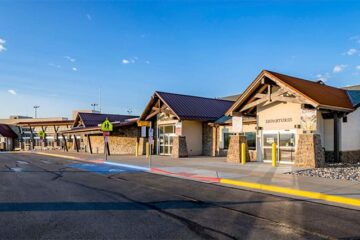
(16, 169)
(22, 162)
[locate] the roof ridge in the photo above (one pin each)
(302, 79)
(125, 115)
(187, 95)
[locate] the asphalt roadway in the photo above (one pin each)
(43, 197)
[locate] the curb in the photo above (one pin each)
(293, 192)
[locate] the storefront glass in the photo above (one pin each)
(166, 137)
(285, 142)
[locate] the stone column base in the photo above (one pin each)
(234, 152)
(142, 146)
(179, 147)
(309, 151)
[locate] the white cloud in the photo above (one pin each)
(351, 51)
(358, 67)
(70, 59)
(147, 62)
(129, 60)
(339, 68)
(12, 92)
(323, 77)
(54, 65)
(2, 45)
(125, 61)
(89, 17)
(74, 69)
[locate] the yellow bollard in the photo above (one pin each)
(137, 149)
(243, 153)
(147, 150)
(273, 155)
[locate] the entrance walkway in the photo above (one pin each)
(217, 167)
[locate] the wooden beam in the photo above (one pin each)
(262, 100)
(65, 143)
(260, 95)
(76, 143)
(154, 113)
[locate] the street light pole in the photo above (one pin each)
(35, 108)
(94, 105)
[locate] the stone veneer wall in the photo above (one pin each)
(309, 151)
(121, 141)
(207, 140)
(117, 145)
(179, 149)
(234, 151)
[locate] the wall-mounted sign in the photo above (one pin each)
(237, 124)
(308, 119)
(178, 128)
(151, 132)
(143, 131)
(270, 140)
(144, 123)
(278, 120)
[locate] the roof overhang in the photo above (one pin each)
(260, 80)
(153, 101)
(45, 123)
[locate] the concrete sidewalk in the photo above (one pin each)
(217, 167)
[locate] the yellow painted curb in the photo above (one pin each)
(57, 155)
(294, 192)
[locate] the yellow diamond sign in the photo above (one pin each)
(106, 126)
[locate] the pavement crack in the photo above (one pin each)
(195, 227)
(200, 202)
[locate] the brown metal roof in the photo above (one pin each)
(96, 129)
(317, 93)
(323, 94)
(187, 107)
(94, 119)
(6, 131)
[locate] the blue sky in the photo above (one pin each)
(57, 54)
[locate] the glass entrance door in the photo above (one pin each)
(285, 143)
(166, 137)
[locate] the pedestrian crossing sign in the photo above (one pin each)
(106, 126)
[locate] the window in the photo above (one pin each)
(227, 139)
(250, 136)
(251, 140)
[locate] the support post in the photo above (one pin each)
(65, 147)
(32, 144)
(76, 143)
(89, 141)
(243, 153)
(336, 138)
(147, 149)
(137, 149)
(273, 155)
(108, 148)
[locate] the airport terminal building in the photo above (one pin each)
(309, 121)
